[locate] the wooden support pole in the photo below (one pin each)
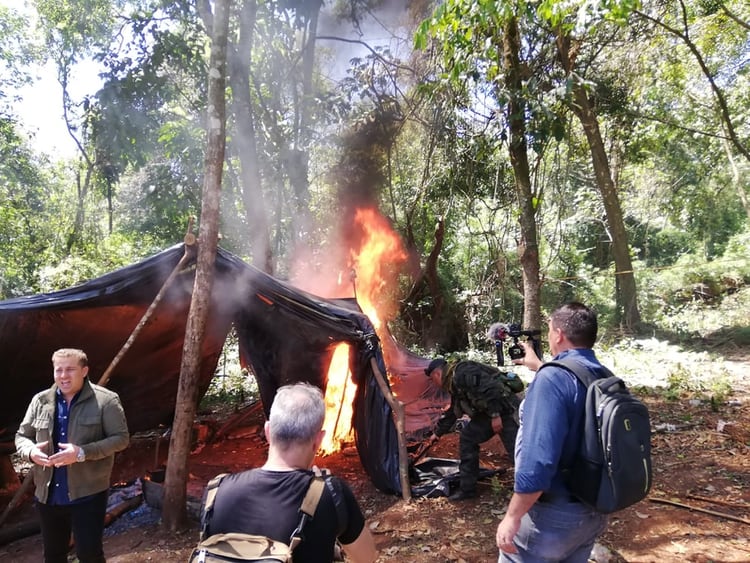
(186, 257)
(398, 413)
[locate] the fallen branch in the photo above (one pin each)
(722, 502)
(120, 509)
(18, 530)
(672, 428)
(704, 510)
(235, 420)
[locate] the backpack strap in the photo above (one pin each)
(208, 504)
(586, 377)
(338, 502)
(308, 507)
(309, 504)
(582, 373)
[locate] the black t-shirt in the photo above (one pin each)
(267, 503)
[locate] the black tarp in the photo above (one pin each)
(286, 335)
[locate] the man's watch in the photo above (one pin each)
(81, 455)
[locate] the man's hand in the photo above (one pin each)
(519, 504)
(529, 359)
(38, 456)
(67, 455)
(506, 531)
(497, 424)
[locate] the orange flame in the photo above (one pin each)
(376, 263)
(340, 393)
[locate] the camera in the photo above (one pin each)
(499, 332)
(516, 351)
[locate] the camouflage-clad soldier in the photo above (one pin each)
(488, 396)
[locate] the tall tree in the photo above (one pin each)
(174, 513)
(71, 34)
(488, 35)
(582, 106)
(528, 246)
(680, 27)
(245, 114)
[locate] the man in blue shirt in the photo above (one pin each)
(71, 433)
(544, 522)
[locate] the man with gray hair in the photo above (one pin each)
(266, 501)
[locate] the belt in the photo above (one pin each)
(549, 497)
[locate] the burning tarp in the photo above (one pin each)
(286, 335)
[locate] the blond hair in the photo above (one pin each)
(79, 355)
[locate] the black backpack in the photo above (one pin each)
(612, 468)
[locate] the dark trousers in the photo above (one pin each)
(476, 432)
(84, 519)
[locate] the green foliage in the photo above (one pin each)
(440, 155)
(112, 253)
(27, 227)
(658, 247)
(232, 391)
(682, 383)
(697, 297)
(231, 387)
(17, 53)
(575, 15)
(76, 26)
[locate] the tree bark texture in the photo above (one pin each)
(626, 298)
(174, 513)
(253, 199)
(528, 246)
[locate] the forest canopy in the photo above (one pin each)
(524, 153)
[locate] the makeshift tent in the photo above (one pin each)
(286, 335)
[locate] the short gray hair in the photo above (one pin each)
(297, 414)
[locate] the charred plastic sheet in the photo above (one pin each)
(286, 335)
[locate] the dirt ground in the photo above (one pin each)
(698, 509)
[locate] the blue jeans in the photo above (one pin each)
(86, 521)
(560, 530)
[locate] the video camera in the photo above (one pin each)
(500, 332)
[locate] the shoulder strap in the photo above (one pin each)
(583, 374)
(342, 514)
(312, 498)
(309, 504)
(208, 505)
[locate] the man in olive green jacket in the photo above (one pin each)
(71, 433)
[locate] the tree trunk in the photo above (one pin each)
(528, 247)
(256, 214)
(82, 190)
(174, 513)
(295, 154)
(625, 292)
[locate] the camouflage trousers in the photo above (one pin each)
(476, 432)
